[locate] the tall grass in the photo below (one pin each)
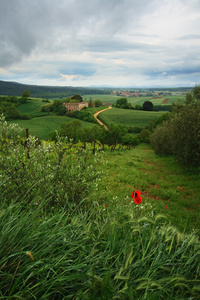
(66, 236)
(96, 254)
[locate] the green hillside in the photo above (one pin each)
(14, 88)
(41, 126)
(128, 117)
(32, 107)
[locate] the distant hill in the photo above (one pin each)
(15, 89)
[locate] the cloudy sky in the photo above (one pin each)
(125, 43)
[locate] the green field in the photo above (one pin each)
(32, 107)
(43, 125)
(110, 98)
(128, 117)
(166, 100)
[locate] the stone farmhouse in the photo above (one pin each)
(75, 106)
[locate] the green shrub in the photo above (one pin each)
(82, 115)
(180, 135)
(31, 169)
(25, 117)
(162, 139)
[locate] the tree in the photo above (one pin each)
(144, 136)
(90, 104)
(13, 113)
(180, 135)
(196, 92)
(78, 98)
(121, 102)
(91, 135)
(26, 94)
(114, 135)
(148, 106)
(72, 130)
(193, 95)
(98, 103)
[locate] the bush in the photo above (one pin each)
(186, 135)
(82, 115)
(180, 135)
(13, 113)
(54, 170)
(144, 136)
(162, 139)
(25, 117)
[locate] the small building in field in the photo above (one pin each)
(75, 106)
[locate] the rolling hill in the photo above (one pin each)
(14, 88)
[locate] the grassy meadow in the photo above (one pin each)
(128, 117)
(32, 107)
(41, 126)
(166, 188)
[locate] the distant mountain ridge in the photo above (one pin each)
(15, 89)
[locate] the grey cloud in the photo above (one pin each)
(190, 37)
(27, 24)
(43, 38)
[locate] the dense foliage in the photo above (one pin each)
(8, 103)
(148, 106)
(63, 174)
(55, 107)
(115, 136)
(83, 115)
(180, 134)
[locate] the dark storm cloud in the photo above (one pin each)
(27, 24)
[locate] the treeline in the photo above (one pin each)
(147, 106)
(115, 136)
(179, 134)
(14, 88)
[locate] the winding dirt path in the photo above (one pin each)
(97, 113)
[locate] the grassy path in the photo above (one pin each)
(165, 187)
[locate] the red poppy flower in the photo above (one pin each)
(166, 206)
(136, 197)
(105, 205)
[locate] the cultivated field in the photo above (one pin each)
(128, 117)
(136, 100)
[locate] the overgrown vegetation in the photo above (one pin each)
(9, 104)
(180, 134)
(66, 234)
